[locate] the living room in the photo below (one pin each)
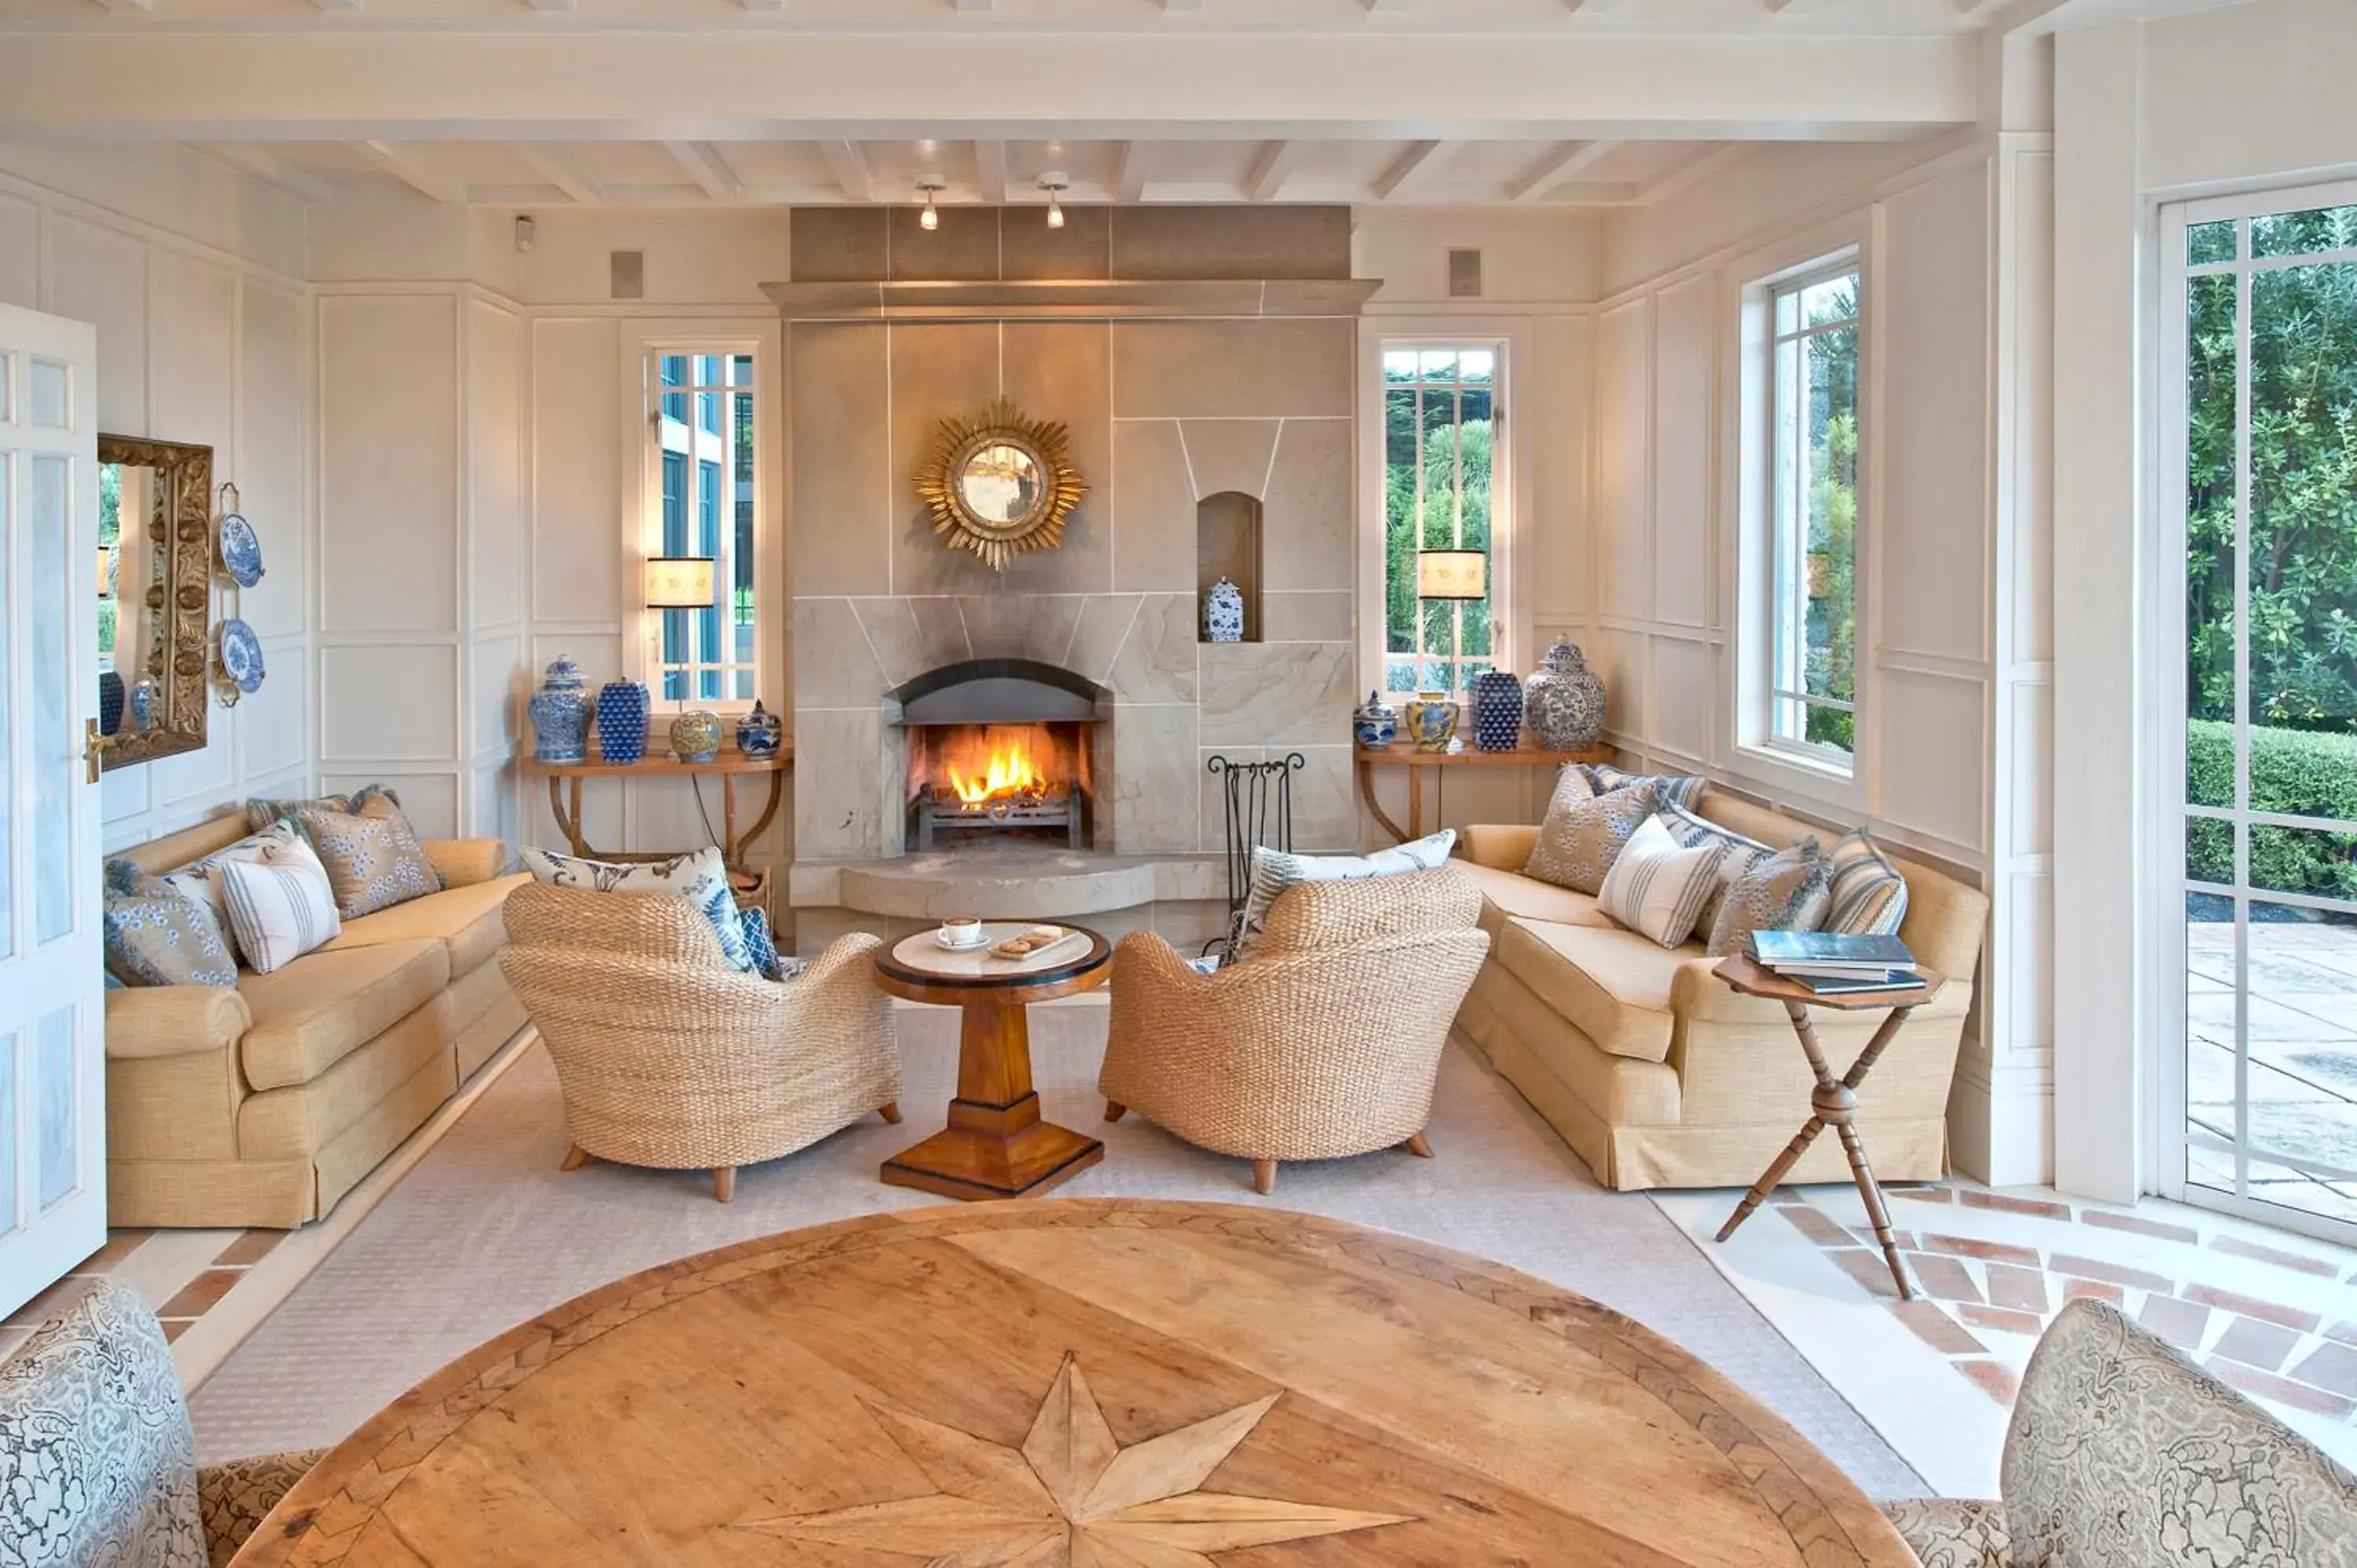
(1254, 630)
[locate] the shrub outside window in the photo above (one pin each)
(1813, 480)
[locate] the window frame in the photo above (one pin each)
(641, 347)
(1822, 772)
(1509, 498)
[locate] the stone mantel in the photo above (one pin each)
(1114, 300)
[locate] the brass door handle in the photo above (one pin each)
(93, 748)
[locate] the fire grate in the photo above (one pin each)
(1058, 808)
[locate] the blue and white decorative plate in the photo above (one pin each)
(240, 551)
(240, 655)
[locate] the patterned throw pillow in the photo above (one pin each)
(762, 943)
(1582, 835)
(1678, 788)
(261, 811)
(152, 935)
(1789, 891)
(1870, 896)
(1657, 885)
(199, 879)
(1741, 854)
(281, 906)
(1274, 871)
(701, 878)
(371, 854)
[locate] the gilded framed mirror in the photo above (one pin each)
(154, 588)
(999, 484)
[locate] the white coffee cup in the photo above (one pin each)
(961, 931)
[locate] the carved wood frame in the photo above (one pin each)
(180, 594)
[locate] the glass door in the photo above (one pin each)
(2258, 404)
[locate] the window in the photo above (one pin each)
(1440, 492)
(706, 474)
(1813, 449)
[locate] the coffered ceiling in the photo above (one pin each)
(1547, 104)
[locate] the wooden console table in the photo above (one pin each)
(564, 780)
(1403, 754)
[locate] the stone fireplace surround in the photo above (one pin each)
(1190, 353)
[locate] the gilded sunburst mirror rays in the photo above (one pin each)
(1072, 1497)
(999, 484)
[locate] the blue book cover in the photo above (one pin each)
(1774, 948)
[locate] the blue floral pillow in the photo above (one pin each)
(152, 935)
(762, 943)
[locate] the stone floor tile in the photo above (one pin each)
(2256, 1344)
(2024, 1290)
(2160, 1228)
(1921, 1193)
(2092, 1290)
(2252, 1306)
(2344, 1332)
(1867, 1269)
(1865, 1237)
(2001, 1318)
(120, 1245)
(2333, 1367)
(2010, 1205)
(1937, 1329)
(176, 1326)
(2111, 1274)
(1816, 1226)
(201, 1295)
(250, 1248)
(2182, 1323)
(1943, 1276)
(1993, 1379)
(1988, 1252)
(2299, 1262)
(2283, 1390)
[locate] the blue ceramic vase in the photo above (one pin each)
(759, 732)
(622, 721)
(1564, 700)
(560, 714)
(1497, 711)
(1223, 612)
(1375, 722)
(696, 737)
(112, 696)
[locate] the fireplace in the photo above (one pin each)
(1002, 753)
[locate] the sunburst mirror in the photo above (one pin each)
(999, 484)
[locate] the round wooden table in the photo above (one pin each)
(1077, 1384)
(995, 1146)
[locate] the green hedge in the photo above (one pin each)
(2297, 772)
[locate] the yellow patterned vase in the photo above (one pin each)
(1431, 721)
(696, 737)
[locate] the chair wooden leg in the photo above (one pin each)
(890, 1111)
(1418, 1145)
(1115, 1111)
(724, 1182)
(575, 1158)
(1264, 1176)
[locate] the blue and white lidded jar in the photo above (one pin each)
(560, 714)
(1375, 722)
(622, 721)
(1497, 711)
(1223, 612)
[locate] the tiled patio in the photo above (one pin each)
(2303, 1045)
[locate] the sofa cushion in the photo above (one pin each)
(1507, 893)
(280, 907)
(1658, 887)
(1583, 833)
(325, 1005)
(1612, 985)
(371, 854)
(1868, 894)
(466, 919)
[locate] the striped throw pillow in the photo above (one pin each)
(1274, 871)
(1679, 788)
(1741, 854)
(1657, 885)
(1870, 896)
(280, 907)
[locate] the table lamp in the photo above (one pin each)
(678, 583)
(1452, 574)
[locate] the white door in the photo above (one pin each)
(52, 1006)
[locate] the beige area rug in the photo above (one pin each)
(486, 1231)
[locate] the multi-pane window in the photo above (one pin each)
(1813, 473)
(707, 501)
(1441, 418)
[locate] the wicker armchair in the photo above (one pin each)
(668, 1058)
(1323, 1043)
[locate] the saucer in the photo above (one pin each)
(981, 940)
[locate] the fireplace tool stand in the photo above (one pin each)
(1259, 811)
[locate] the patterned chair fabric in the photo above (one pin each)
(97, 1467)
(2122, 1455)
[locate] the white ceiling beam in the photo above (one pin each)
(1405, 166)
(272, 170)
(1131, 163)
(1564, 163)
(557, 167)
(849, 166)
(702, 163)
(1696, 166)
(1271, 169)
(990, 171)
(432, 183)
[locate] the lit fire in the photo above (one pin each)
(1009, 771)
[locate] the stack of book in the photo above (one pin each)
(1836, 965)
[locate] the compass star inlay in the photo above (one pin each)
(1070, 1496)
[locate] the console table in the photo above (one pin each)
(565, 780)
(1403, 754)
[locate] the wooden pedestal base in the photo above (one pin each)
(995, 1145)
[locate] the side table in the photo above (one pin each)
(1835, 1101)
(1405, 754)
(729, 765)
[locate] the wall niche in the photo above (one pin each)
(1227, 545)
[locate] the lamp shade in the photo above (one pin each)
(679, 582)
(1452, 574)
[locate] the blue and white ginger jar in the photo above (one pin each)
(759, 732)
(1223, 612)
(1375, 722)
(1563, 700)
(560, 714)
(1497, 711)
(622, 721)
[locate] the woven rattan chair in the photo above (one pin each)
(668, 1058)
(1324, 1042)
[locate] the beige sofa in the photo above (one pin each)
(1657, 1073)
(265, 1104)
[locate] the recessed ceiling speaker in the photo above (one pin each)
(1464, 274)
(628, 273)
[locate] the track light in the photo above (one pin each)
(1055, 185)
(929, 219)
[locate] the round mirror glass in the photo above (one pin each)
(1000, 483)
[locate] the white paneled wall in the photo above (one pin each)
(189, 272)
(1953, 614)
